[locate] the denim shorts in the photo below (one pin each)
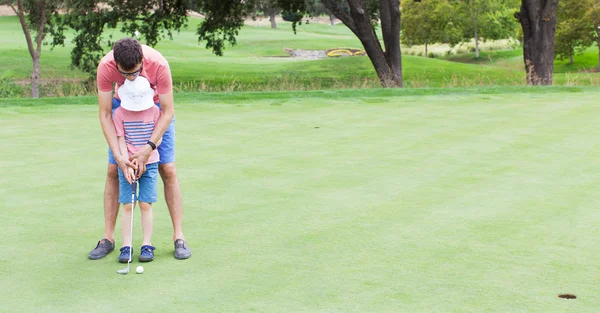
(147, 185)
(166, 149)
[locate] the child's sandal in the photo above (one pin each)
(147, 253)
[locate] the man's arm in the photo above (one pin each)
(108, 128)
(167, 107)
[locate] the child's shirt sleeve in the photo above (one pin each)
(118, 122)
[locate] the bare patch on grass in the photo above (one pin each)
(6, 10)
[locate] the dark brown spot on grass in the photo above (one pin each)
(567, 296)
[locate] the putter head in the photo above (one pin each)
(125, 271)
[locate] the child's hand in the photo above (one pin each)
(130, 175)
(133, 171)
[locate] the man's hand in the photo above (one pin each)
(141, 157)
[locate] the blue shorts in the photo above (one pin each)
(147, 185)
(166, 149)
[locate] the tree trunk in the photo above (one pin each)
(598, 43)
(35, 77)
(475, 20)
(332, 19)
(35, 52)
(272, 19)
(426, 55)
(388, 64)
(389, 11)
(571, 59)
(476, 45)
(538, 19)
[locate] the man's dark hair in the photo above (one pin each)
(128, 53)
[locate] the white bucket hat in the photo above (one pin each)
(136, 95)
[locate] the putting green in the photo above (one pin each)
(348, 201)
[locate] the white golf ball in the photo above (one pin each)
(139, 269)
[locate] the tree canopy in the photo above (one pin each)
(153, 19)
(428, 22)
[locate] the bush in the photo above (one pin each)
(8, 89)
(291, 16)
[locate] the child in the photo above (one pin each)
(134, 122)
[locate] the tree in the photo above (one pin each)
(152, 19)
(225, 18)
(487, 19)
(427, 22)
(268, 8)
(538, 20)
(155, 19)
(37, 19)
(574, 32)
(593, 15)
(361, 21)
(317, 8)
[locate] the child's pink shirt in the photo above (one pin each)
(154, 67)
(137, 128)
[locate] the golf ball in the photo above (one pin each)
(139, 269)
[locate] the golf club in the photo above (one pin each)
(125, 271)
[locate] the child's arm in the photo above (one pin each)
(122, 152)
(130, 174)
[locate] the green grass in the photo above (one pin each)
(417, 200)
(496, 57)
(584, 62)
(587, 61)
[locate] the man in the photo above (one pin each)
(128, 60)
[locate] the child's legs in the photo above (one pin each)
(126, 224)
(125, 194)
(147, 222)
(148, 185)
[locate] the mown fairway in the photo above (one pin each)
(344, 201)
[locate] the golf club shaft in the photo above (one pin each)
(133, 189)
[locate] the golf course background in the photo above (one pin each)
(259, 63)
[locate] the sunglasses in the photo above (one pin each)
(133, 74)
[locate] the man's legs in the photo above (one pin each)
(111, 210)
(111, 202)
(168, 173)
